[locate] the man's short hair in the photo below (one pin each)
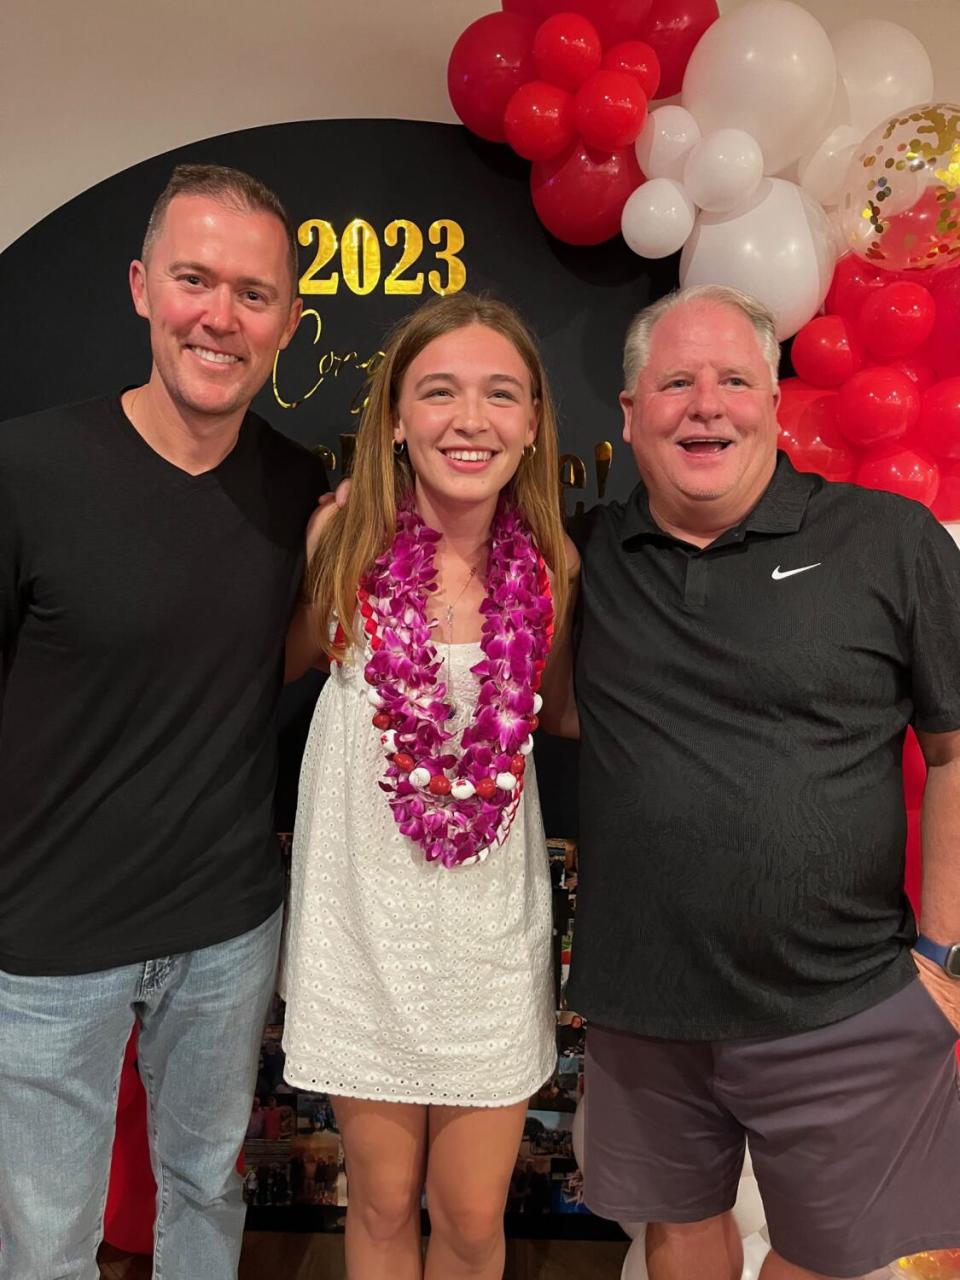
(636, 346)
(230, 187)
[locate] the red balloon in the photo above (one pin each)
(945, 341)
(488, 64)
(673, 28)
(813, 441)
(535, 10)
(946, 505)
(853, 281)
(567, 50)
(639, 59)
(918, 369)
(914, 771)
(579, 195)
(616, 20)
(896, 320)
(539, 120)
(825, 351)
(899, 470)
(939, 427)
(610, 110)
(877, 404)
(795, 395)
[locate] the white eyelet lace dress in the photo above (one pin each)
(406, 981)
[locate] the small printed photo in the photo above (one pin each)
(270, 1068)
(315, 1114)
(566, 948)
(272, 1119)
(558, 1094)
(567, 1194)
(569, 1063)
(268, 1174)
(571, 1034)
(561, 855)
(530, 1186)
(319, 1172)
(547, 1133)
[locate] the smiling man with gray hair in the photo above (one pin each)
(752, 644)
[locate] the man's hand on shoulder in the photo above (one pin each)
(573, 557)
(327, 506)
(324, 512)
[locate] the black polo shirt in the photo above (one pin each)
(742, 712)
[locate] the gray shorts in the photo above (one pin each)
(854, 1132)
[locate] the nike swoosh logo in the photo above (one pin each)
(788, 573)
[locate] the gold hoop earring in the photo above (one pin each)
(528, 451)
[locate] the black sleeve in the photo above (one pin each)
(935, 631)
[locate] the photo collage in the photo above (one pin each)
(293, 1156)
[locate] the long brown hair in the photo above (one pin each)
(361, 531)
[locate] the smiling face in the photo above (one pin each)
(465, 410)
(217, 292)
(701, 420)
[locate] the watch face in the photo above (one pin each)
(952, 962)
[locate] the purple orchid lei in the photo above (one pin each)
(456, 805)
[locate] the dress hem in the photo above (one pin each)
(317, 1086)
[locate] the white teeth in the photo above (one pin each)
(215, 357)
(470, 455)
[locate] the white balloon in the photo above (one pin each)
(576, 1135)
(755, 1249)
(723, 170)
(633, 1229)
(766, 67)
(822, 171)
(657, 218)
(635, 1262)
(884, 68)
(748, 1212)
(777, 247)
(664, 141)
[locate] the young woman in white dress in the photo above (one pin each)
(417, 967)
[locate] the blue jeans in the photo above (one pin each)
(61, 1047)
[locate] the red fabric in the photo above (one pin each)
(132, 1193)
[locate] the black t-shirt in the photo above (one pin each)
(742, 712)
(142, 619)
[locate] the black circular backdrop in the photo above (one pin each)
(69, 330)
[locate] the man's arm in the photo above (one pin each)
(559, 712)
(940, 907)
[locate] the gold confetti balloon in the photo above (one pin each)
(942, 1265)
(900, 203)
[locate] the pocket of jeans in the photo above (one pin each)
(945, 1023)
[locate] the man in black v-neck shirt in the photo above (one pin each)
(151, 551)
(752, 643)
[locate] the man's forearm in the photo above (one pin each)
(940, 907)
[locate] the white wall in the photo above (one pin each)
(89, 87)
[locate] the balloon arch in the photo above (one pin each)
(811, 171)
